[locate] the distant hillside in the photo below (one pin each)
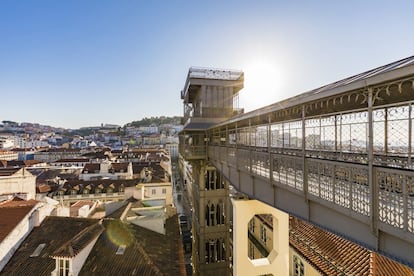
(176, 120)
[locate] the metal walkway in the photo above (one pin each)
(340, 156)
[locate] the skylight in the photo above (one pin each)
(121, 250)
(38, 249)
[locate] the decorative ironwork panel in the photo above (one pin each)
(410, 203)
(326, 178)
(277, 164)
(360, 194)
(288, 170)
(261, 164)
(313, 177)
(243, 159)
(391, 207)
(342, 186)
(298, 174)
(231, 156)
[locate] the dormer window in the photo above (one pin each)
(63, 267)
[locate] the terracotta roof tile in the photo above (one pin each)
(12, 212)
(333, 255)
(91, 167)
(117, 167)
(43, 188)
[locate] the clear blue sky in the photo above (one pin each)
(82, 63)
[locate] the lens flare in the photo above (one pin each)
(119, 233)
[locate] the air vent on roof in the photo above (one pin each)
(38, 249)
(121, 250)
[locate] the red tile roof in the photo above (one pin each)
(117, 167)
(12, 212)
(21, 163)
(91, 167)
(333, 255)
(43, 188)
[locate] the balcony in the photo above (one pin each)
(190, 152)
(218, 113)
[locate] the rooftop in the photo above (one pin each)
(121, 249)
(12, 212)
(146, 252)
(68, 160)
(53, 232)
(333, 255)
(8, 171)
(72, 247)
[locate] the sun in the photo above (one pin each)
(262, 85)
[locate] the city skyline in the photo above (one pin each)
(76, 64)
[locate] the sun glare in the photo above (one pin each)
(262, 84)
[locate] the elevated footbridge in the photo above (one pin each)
(340, 156)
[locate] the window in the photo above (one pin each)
(263, 233)
(164, 190)
(251, 250)
(63, 267)
(212, 215)
(251, 225)
(153, 192)
(298, 267)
